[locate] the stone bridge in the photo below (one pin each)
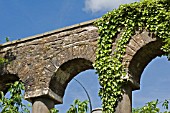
(46, 63)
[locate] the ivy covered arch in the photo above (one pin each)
(140, 50)
(118, 29)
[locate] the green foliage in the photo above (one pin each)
(165, 104)
(150, 15)
(3, 60)
(78, 107)
(54, 110)
(7, 39)
(151, 107)
(14, 103)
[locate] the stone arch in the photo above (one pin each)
(142, 48)
(66, 72)
(74, 60)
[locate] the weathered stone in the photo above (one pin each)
(125, 105)
(138, 39)
(133, 45)
(47, 62)
(42, 105)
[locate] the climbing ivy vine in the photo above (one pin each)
(150, 15)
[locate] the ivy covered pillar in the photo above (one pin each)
(125, 105)
(42, 105)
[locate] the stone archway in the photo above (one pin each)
(66, 73)
(143, 56)
(67, 64)
(37, 59)
(41, 61)
(141, 49)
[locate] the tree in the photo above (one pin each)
(13, 103)
(151, 107)
(78, 107)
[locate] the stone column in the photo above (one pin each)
(125, 105)
(42, 105)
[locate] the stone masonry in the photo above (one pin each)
(46, 63)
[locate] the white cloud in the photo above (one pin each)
(104, 5)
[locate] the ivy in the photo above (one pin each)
(150, 15)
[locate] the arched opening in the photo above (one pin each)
(89, 79)
(63, 84)
(66, 72)
(142, 57)
(155, 82)
(138, 64)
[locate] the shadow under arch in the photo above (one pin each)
(66, 72)
(9, 78)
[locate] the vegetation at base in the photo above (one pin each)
(152, 107)
(13, 103)
(76, 107)
(148, 15)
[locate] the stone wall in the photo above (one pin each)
(47, 62)
(35, 60)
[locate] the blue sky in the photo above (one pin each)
(23, 18)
